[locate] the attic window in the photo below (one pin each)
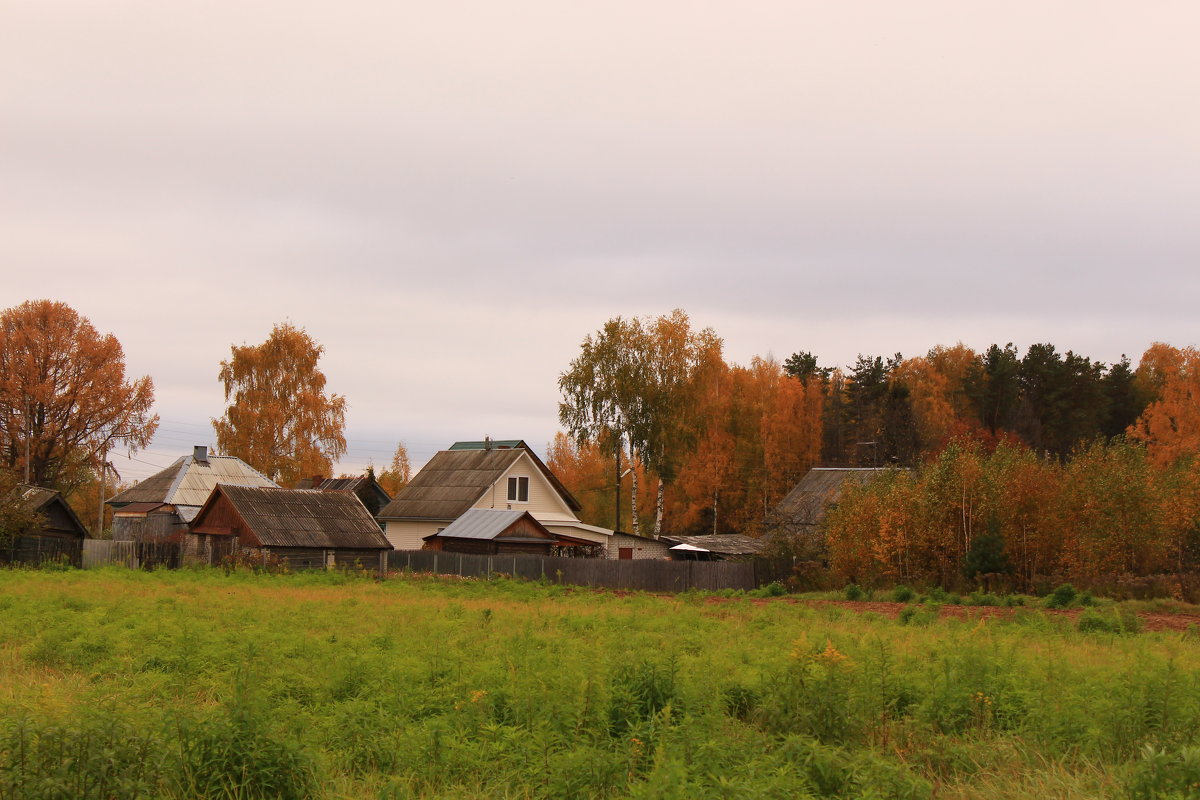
(518, 490)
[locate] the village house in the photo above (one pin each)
(300, 528)
(161, 506)
(498, 474)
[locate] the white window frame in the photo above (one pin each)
(515, 484)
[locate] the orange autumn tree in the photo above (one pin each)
(280, 419)
(706, 487)
(64, 398)
(1170, 425)
(940, 405)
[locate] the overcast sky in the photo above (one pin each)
(450, 195)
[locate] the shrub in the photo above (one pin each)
(1093, 622)
(1164, 774)
(1062, 597)
(772, 589)
(903, 594)
(982, 599)
(854, 592)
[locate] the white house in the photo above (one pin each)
(496, 474)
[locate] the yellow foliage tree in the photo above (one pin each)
(279, 419)
(398, 474)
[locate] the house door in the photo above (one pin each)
(625, 553)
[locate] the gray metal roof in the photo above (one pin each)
(482, 523)
(189, 482)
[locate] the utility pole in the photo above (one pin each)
(100, 513)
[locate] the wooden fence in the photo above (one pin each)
(134, 555)
(35, 550)
(645, 574)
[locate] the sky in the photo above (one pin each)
(449, 196)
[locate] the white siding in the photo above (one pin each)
(544, 502)
(409, 534)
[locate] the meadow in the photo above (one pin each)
(198, 684)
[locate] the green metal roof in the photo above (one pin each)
(495, 444)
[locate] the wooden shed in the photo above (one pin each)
(486, 531)
(57, 535)
(303, 528)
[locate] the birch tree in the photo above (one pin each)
(280, 419)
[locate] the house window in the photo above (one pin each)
(518, 490)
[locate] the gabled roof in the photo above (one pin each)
(487, 523)
(189, 482)
(807, 502)
(455, 479)
(38, 500)
(299, 517)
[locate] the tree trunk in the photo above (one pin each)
(635, 525)
(658, 510)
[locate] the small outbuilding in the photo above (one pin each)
(302, 528)
(486, 531)
(56, 535)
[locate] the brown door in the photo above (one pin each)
(625, 553)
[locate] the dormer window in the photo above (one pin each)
(518, 490)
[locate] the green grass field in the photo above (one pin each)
(187, 684)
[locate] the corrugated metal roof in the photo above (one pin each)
(306, 518)
(728, 544)
(449, 484)
(453, 480)
(189, 482)
(482, 523)
(807, 502)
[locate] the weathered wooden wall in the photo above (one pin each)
(37, 549)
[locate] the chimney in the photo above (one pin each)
(200, 454)
(487, 442)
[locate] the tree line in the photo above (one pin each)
(722, 443)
